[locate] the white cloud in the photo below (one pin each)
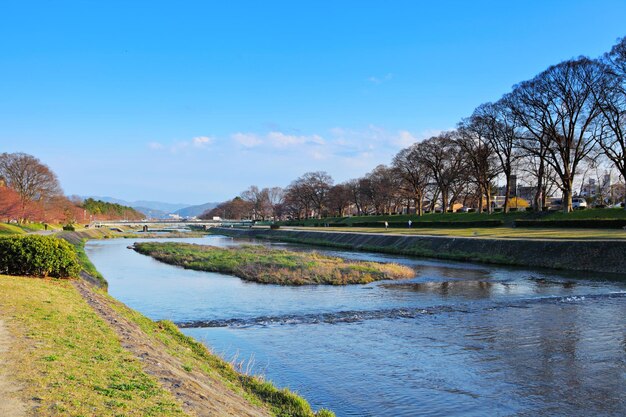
(380, 80)
(405, 138)
(201, 141)
(282, 140)
(196, 142)
(248, 140)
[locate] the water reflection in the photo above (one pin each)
(459, 339)
(460, 289)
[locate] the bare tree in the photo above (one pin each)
(610, 95)
(501, 129)
(444, 157)
(31, 179)
(482, 165)
(257, 199)
(276, 196)
(414, 173)
(339, 198)
(383, 188)
(297, 200)
(356, 196)
(317, 185)
(235, 209)
(559, 112)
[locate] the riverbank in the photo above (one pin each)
(579, 255)
(273, 266)
(78, 351)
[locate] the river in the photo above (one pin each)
(459, 339)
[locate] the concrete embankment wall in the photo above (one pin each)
(596, 256)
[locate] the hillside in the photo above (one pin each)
(192, 211)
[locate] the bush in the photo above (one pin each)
(69, 228)
(274, 226)
(40, 256)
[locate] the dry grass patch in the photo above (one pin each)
(272, 266)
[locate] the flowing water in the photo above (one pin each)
(458, 339)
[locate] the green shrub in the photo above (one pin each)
(40, 256)
(274, 226)
(69, 228)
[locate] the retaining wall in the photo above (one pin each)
(592, 255)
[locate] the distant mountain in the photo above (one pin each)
(152, 214)
(194, 211)
(152, 205)
(159, 209)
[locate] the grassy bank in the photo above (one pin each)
(272, 266)
(78, 240)
(487, 232)
(196, 357)
(72, 362)
(507, 219)
(69, 361)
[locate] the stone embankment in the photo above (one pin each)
(589, 255)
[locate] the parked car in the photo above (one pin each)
(579, 203)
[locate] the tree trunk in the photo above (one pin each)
(567, 196)
(540, 194)
(444, 201)
(507, 192)
(488, 198)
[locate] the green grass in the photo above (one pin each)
(69, 361)
(196, 356)
(78, 240)
(489, 232)
(507, 218)
(10, 229)
(272, 266)
(13, 228)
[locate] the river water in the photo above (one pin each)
(459, 339)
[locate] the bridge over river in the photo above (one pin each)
(169, 223)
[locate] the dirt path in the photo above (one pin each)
(10, 404)
(200, 394)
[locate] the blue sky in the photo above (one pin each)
(195, 101)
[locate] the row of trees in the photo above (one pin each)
(570, 117)
(30, 191)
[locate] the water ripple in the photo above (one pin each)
(353, 316)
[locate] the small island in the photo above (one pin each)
(273, 266)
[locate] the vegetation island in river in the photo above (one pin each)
(273, 266)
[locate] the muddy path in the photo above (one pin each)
(200, 394)
(10, 403)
